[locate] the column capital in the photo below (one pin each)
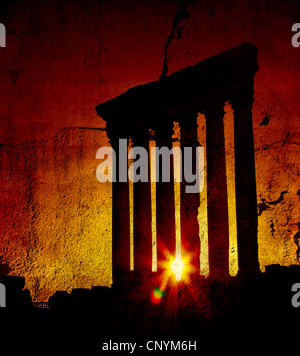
(164, 130)
(244, 95)
(214, 107)
(141, 138)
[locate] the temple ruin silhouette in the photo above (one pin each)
(153, 107)
(241, 310)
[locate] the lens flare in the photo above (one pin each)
(177, 267)
(157, 295)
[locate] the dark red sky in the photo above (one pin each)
(65, 57)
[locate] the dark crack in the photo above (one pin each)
(263, 206)
(294, 143)
(88, 128)
(281, 143)
(287, 221)
(272, 228)
(285, 140)
(280, 199)
(296, 239)
(181, 13)
(265, 122)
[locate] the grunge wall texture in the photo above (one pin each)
(65, 57)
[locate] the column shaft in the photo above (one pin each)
(142, 234)
(217, 213)
(245, 182)
(120, 225)
(165, 210)
(190, 240)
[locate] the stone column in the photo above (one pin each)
(190, 240)
(245, 184)
(120, 225)
(217, 206)
(142, 230)
(165, 205)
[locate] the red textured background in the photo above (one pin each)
(65, 57)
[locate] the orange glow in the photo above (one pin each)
(152, 143)
(131, 217)
(177, 267)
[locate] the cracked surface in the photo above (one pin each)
(181, 14)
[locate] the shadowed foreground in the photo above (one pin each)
(220, 316)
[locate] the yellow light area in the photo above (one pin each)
(152, 143)
(176, 170)
(202, 210)
(177, 267)
(131, 217)
(230, 178)
(177, 264)
(230, 175)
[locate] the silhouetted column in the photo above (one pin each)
(142, 232)
(245, 184)
(165, 205)
(217, 206)
(190, 240)
(120, 224)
